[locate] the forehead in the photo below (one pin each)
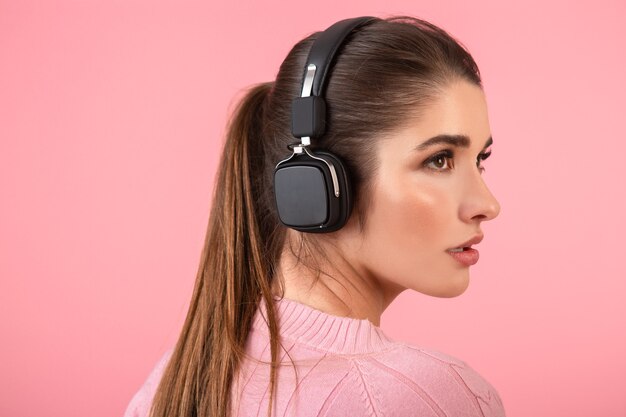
(461, 109)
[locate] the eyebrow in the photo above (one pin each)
(460, 141)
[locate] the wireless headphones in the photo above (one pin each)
(312, 190)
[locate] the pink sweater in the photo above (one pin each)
(345, 367)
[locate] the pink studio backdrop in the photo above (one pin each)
(111, 122)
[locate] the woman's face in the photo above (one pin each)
(429, 200)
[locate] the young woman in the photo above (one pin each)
(321, 218)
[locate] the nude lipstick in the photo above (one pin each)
(467, 257)
(464, 253)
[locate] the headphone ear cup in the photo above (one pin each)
(304, 191)
(343, 204)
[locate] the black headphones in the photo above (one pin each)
(312, 190)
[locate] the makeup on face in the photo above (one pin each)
(428, 198)
(467, 256)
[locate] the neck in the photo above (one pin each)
(340, 290)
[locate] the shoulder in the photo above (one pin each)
(427, 378)
(139, 405)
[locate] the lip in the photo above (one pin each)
(473, 241)
(467, 258)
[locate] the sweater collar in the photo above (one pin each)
(323, 331)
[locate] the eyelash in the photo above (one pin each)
(449, 154)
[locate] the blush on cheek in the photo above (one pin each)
(406, 237)
(409, 220)
(419, 218)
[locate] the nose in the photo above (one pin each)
(478, 203)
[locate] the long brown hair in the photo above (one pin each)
(384, 73)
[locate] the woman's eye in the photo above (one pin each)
(439, 161)
(442, 161)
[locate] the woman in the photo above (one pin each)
(399, 143)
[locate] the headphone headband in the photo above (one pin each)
(309, 110)
(325, 48)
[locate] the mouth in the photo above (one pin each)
(460, 249)
(467, 245)
(467, 256)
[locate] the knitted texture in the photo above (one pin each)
(343, 367)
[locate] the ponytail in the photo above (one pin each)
(235, 270)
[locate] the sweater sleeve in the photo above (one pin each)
(139, 405)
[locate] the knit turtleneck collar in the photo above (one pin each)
(323, 331)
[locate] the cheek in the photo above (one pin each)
(412, 217)
(407, 234)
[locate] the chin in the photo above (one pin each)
(454, 287)
(456, 292)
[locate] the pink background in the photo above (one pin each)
(111, 121)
